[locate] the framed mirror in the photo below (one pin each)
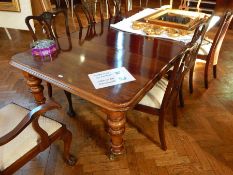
(10, 5)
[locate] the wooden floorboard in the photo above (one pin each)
(202, 144)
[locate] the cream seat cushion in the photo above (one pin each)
(155, 96)
(10, 116)
(205, 48)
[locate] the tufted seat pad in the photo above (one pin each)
(155, 96)
(10, 116)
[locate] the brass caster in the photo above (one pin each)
(112, 156)
(71, 161)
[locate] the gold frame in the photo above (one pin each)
(153, 19)
(12, 6)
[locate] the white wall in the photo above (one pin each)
(16, 20)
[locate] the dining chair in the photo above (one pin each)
(45, 27)
(201, 38)
(88, 33)
(141, 4)
(185, 5)
(210, 49)
(90, 9)
(114, 8)
(25, 133)
(206, 6)
(197, 38)
(166, 91)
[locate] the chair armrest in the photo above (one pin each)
(35, 113)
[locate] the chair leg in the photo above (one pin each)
(174, 112)
(70, 111)
(67, 138)
(206, 75)
(161, 131)
(50, 91)
(215, 71)
(191, 80)
(181, 97)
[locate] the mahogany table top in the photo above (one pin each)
(145, 58)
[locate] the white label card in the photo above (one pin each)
(110, 77)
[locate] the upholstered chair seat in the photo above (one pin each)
(204, 48)
(24, 134)
(155, 96)
(26, 140)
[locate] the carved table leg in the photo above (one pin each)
(116, 122)
(36, 88)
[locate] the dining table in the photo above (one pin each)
(99, 48)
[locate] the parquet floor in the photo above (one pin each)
(202, 144)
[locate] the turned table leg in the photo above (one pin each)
(116, 122)
(36, 88)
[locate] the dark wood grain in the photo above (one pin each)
(145, 58)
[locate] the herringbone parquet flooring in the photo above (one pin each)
(202, 144)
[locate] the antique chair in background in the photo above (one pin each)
(91, 9)
(207, 24)
(197, 39)
(206, 6)
(166, 91)
(114, 8)
(89, 13)
(24, 134)
(45, 27)
(209, 50)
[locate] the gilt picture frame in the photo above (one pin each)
(10, 5)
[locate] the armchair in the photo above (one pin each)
(24, 134)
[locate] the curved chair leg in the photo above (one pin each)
(206, 75)
(67, 138)
(215, 71)
(70, 111)
(181, 97)
(174, 112)
(191, 80)
(161, 131)
(50, 91)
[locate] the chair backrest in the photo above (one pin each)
(147, 4)
(89, 8)
(47, 23)
(219, 37)
(114, 8)
(199, 34)
(182, 64)
(198, 5)
(86, 34)
(185, 5)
